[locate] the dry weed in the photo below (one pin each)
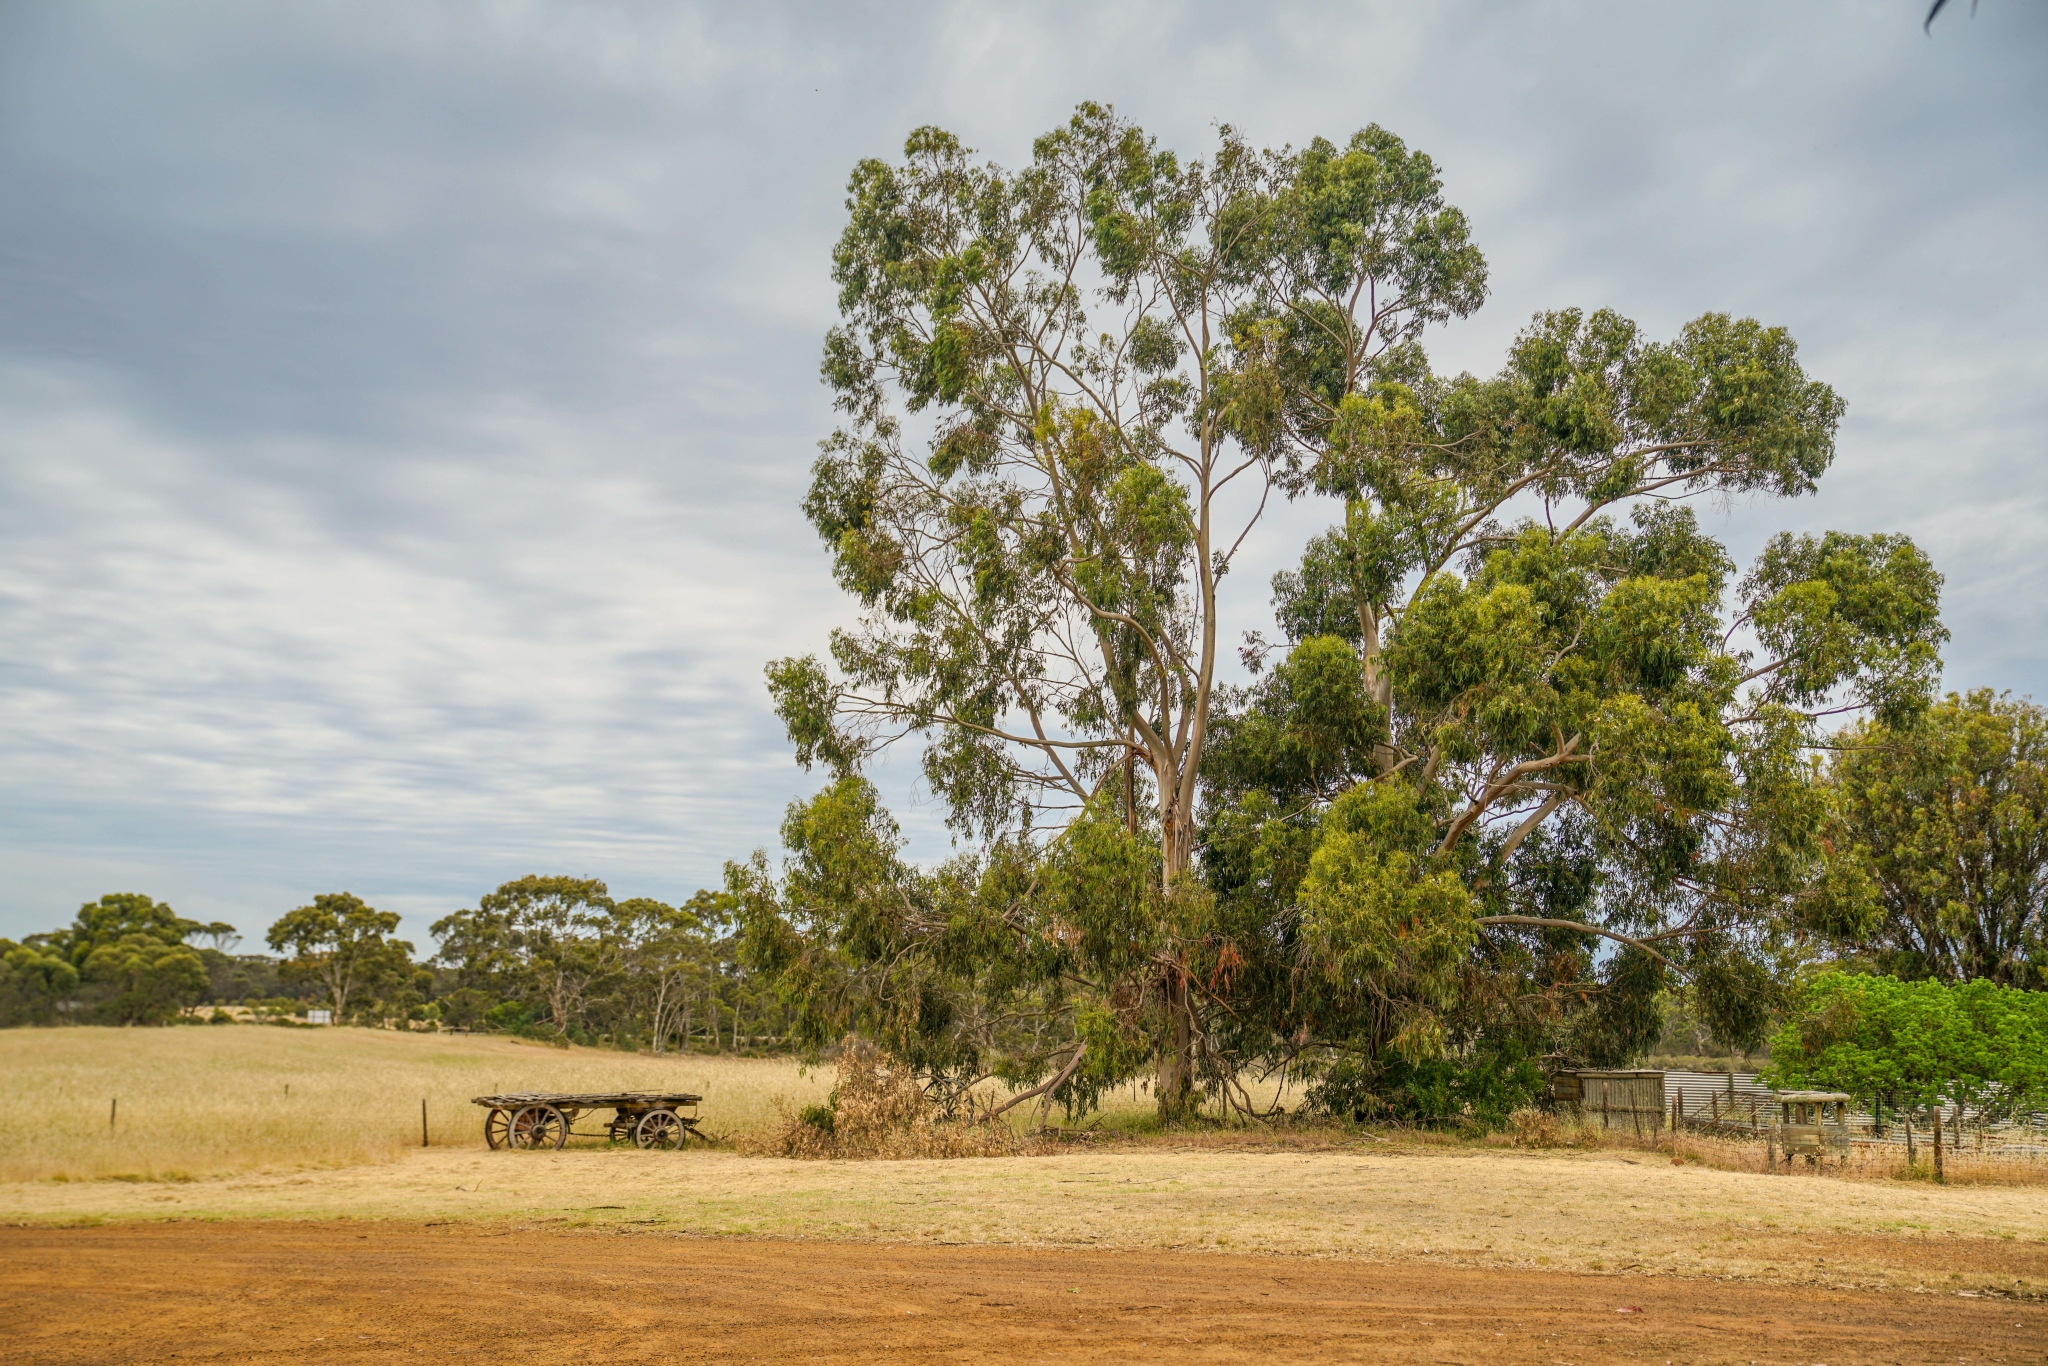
(880, 1110)
(1530, 1128)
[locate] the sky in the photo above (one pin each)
(404, 407)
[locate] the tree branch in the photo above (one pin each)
(1582, 928)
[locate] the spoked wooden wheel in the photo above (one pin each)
(537, 1126)
(659, 1129)
(495, 1125)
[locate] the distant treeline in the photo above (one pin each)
(551, 957)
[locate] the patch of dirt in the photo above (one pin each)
(385, 1292)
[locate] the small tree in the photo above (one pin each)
(343, 945)
(1917, 1042)
(149, 980)
(33, 979)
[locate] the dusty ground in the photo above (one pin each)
(1578, 1211)
(352, 1292)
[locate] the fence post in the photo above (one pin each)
(113, 1109)
(1939, 1177)
(1912, 1157)
(423, 1121)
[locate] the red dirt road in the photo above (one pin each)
(341, 1292)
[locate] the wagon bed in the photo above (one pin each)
(547, 1119)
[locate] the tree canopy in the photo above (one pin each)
(1918, 1043)
(343, 944)
(1523, 705)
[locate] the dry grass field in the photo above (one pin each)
(211, 1100)
(207, 1130)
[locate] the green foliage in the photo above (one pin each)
(33, 979)
(1837, 608)
(1937, 835)
(554, 941)
(147, 980)
(1917, 1042)
(1479, 1089)
(122, 960)
(342, 944)
(1505, 783)
(118, 916)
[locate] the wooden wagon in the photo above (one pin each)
(547, 1119)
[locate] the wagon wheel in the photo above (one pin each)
(659, 1129)
(537, 1126)
(496, 1123)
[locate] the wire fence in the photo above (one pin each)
(1729, 1119)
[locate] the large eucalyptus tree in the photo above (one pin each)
(1091, 346)
(1502, 722)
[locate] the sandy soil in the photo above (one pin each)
(1577, 1211)
(350, 1292)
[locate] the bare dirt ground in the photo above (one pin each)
(351, 1292)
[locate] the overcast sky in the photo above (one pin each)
(404, 407)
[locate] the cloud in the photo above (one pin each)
(403, 408)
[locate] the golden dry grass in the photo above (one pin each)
(1580, 1210)
(211, 1100)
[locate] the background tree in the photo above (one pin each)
(34, 978)
(1939, 840)
(147, 980)
(671, 960)
(556, 941)
(131, 958)
(344, 946)
(1507, 722)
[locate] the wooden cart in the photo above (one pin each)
(1812, 1124)
(547, 1119)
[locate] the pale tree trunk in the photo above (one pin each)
(1177, 1057)
(1178, 772)
(338, 984)
(1378, 686)
(660, 997)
